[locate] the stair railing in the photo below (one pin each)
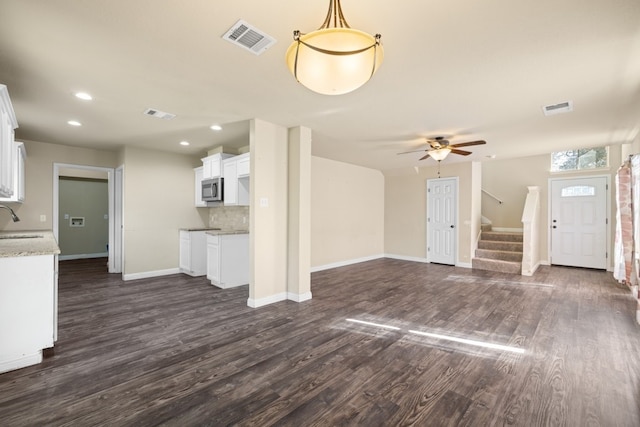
(531, 232)
(492, 196)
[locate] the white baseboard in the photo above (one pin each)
(21, 362)
(299, 297)
(345, 263)
(464, 265)
(83, 256)
(406, 258)
(148, 274)
(507, 230)
(261, 302)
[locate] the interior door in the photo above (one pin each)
(579, 222)
(442, 210)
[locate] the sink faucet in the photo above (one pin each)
(14, 217)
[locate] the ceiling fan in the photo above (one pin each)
(439, 148)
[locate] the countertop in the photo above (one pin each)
(42, 244)
(225, 232)
(217, 231)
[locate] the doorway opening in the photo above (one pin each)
(113, 248)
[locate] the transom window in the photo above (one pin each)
(580, 159)
(578, 191)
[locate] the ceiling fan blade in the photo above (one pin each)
(461, 152)
(467, 144)
(424, 157)
(414, 151)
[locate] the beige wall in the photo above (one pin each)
(39, 181)
(508, 180)
(405, 207)
(158, 201)
(347, 212)
(269, 210)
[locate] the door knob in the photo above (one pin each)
(555, 226)
(452, 226)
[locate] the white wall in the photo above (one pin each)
(347, 213)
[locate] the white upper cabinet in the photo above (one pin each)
(19, 155)
(8, 124)
(212, 165)
(198, 173)
(236, 180)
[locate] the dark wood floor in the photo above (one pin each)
(176, 351)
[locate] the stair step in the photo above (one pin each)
(500, 266)
(502, 236)
(500, 245)
(485, 227)
(501, 255)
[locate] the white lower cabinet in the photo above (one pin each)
(193, 252)
(28, 309)
(228, 260)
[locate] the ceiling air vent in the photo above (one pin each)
(563, 107)
(249, 37)
(158, 114)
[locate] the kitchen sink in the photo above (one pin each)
(20, 236)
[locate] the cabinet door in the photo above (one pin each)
(244, 166)
(6, 156)
(185, 251)
(230, 182)
(211, 166)
(198, 173)
(213, 259)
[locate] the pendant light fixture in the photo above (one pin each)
(335, 59)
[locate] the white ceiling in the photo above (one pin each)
(465, 69)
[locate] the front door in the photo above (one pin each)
(442, 210)
(579, 222)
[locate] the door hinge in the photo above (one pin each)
(428, 249)
(428, 219)
(606, 187)
(606, 221)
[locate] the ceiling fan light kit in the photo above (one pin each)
(439, 154)
(439, 148)
(335, 59)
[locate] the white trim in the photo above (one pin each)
(507, 229)
(463, 265)
(406, 258)
(21, 362)
(299, 297)
(345, 263)
(83, 256)
(111, 212)
(255, 303)
(533, 270)
(148, 274)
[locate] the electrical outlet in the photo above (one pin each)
(43, 218)
(66, 216)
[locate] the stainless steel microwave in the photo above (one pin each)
(213, 190)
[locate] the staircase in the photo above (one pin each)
(498, 251)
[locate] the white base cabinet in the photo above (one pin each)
(28, 309)
(193, 252)
(228, 260)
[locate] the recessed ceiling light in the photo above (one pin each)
(74, 123)
(185, 143)
(216, 127)
(84, 96)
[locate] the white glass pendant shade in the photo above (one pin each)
(440, 154)
(343, 59)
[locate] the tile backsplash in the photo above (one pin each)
(229, 217)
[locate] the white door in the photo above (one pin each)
(442, 211)
(579, 222)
